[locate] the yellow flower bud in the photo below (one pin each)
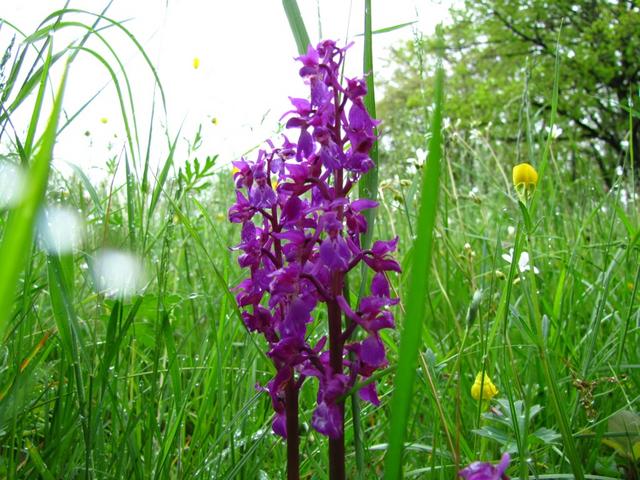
(483, 388)
(196, 63)
(525, 179)
(525, 173)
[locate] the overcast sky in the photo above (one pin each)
(246, 69)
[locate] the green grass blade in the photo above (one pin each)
(20, 225)
(388, 29)
(118, 25)
(89, 187)
(297, 25)
(164, 173)
(130, 183)
(27, 88)
(369, 183)
(31, 133)
(417, 289)
(36, 459)
(368, 188)
(552, 121)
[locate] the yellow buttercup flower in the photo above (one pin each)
(525, 180)
(483, 388)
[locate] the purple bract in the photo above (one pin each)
(301, 235)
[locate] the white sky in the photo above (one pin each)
(246, 71)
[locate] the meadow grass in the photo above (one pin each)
(163, 384)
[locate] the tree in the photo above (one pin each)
(501, 58)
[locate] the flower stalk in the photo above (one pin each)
(293, 436)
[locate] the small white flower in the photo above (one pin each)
(511, 231)
(624, 197)
(556, 131)
(523, 261)
(421, 156)
(619, 170)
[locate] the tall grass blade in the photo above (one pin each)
(369, 183)
(368, 188)
(297, 25)
(417, 289)
(18, 234)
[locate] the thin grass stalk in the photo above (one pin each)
(547, 370)
(627, 321)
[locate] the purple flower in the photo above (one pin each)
(327, 419)
(301, 236)
(487, 471)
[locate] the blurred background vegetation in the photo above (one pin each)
(500, 63)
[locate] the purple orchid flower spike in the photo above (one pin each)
(301, 236)
(487, 471)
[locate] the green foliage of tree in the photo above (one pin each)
(501, 59)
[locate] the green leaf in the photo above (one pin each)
(624, 430)
(546, 435)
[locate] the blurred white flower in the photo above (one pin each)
(117, 274)
(523, 261)
(12, 184)
(421, 156)
(511, 231)
(61, 230)
(556, 131)
(619, 170)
